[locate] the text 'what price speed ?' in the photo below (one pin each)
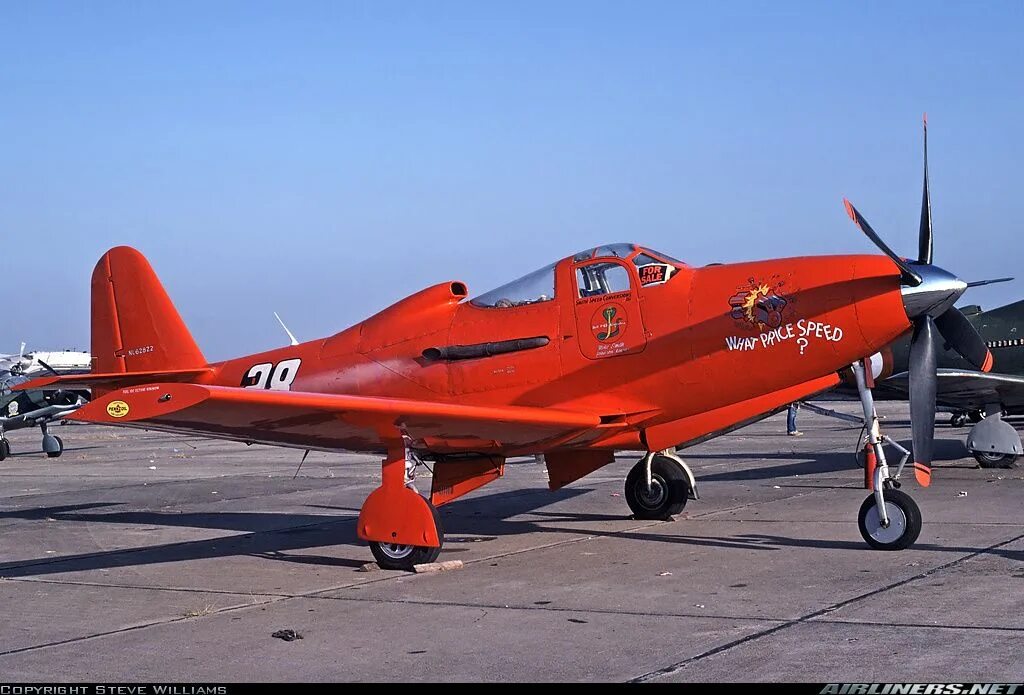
(803, 332)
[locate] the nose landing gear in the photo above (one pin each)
(889, 519)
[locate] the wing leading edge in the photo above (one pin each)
(969, 389)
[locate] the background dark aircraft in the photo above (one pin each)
(38, 407)
(981, 397)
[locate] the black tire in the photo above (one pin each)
(391, 556)
(976, 416)
(904, 521)
(987, 459)
(5, 449)
(58, 452)
(670, 489)
(958, 420)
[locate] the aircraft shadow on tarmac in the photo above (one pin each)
(278, 536)
(945, 450)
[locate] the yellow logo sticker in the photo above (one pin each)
(117, 409)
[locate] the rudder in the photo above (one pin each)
(135, 326)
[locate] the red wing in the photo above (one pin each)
(325, 421)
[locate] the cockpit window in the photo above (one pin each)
(601, 278)
(615, 250)
(538, 286)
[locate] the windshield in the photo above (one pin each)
(538, 286)
(616, 250)
(663, 256)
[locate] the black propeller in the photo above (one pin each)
(928, 296)
(48, 367)
(979, 283)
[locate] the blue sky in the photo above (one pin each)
(325, 159)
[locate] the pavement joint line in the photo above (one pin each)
(548, 608)
(924, 626)
(755, 503)
(810, 617)
(139, 587)
(131, 628)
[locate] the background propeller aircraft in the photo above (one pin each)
(975, 395)
(616, 348)
(20, 409)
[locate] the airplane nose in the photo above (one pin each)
(939, 290)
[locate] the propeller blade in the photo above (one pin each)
(922, 396)
(925, 237)
(962, 336)
(980, 283)
(909, 276)
(48, 367)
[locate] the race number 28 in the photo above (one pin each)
(270, 376)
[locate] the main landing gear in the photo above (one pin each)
(402, 526)
(398, 556)
(889, 519)
(53, 445)
(659, 485)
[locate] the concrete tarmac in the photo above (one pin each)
(142, 556)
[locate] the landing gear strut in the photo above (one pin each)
(661, 493)
(889, 519)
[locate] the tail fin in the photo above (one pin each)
(135, 327)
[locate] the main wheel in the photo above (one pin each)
(976, 416)
(394, 556)
(958, 420)
(668, 494)
(990, 459)
(5, 449)
(60, 448)
(904, 521)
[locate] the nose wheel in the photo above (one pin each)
(901, 527)
(668, 491)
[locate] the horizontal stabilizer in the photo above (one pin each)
(111, 380)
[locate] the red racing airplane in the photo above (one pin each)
(615, 348)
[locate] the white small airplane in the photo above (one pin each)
(19, 409)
